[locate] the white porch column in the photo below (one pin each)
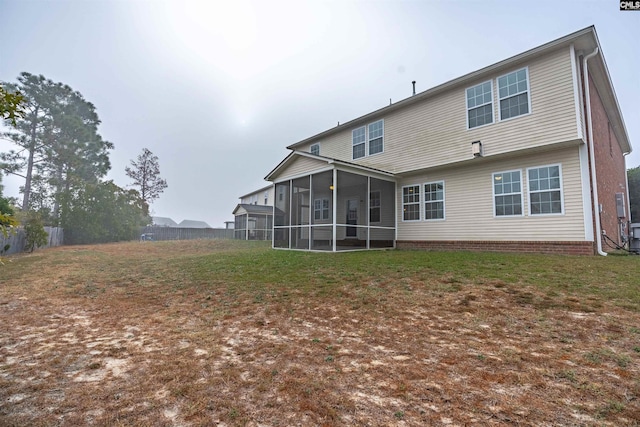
(335, 206)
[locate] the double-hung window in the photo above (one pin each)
(315, 149)
(321, 209)
(513, 92)
(374, 206)
(376, 137)
(507, 193)
(545, 190)
(434, 200)
(359, 141)
(480, 105)
(411, 203)
(368, 140)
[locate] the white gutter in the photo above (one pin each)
(592, 160)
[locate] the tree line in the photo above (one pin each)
(63, 160)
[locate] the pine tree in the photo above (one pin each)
(145, 172)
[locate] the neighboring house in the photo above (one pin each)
(187, 223)
(523, 155)
(254, 215)
(161, 221)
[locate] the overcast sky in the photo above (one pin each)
(218, 89)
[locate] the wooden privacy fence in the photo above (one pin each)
(178, 233)
(18, 240)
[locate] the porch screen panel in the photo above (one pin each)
(381, 237)
(300, 202)
(352, 187)
(240, 225)
(386, 204)
(281, 204)
(281, 238)
(300, 237)
(322, 238)
(322, 198)
(382, 206)
(345, 243)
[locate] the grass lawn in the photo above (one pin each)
(201, 333)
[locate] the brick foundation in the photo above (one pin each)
(566, 248)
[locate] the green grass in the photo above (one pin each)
(252, 267)
(614, 279)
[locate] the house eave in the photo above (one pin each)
(583, 39)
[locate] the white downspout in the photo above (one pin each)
(592, 160)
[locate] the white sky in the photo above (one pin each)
(218, 89)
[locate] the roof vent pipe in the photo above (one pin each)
(414, 86)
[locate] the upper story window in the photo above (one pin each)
(480, 105)
(266, 197)
(315, 149)
(545, 190)
(434, 200)
(411, 203)
(359, 142)
(507, 193)
(513, 92)
(368, 140)
(376, 137)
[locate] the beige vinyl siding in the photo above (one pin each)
(300, 165)
(260, 194)
(469, 203)
(434, 132)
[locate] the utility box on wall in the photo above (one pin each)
(622, 212)
(634, 234)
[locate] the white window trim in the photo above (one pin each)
(366, 140)
(321, 200)
(526, 69)
(378, 207)
(369, 138)
(444, 196)
(559, 165)
(493, 192)
(419, 202)
(317, 144)
(493, 111)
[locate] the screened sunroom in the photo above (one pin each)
(253, 222)
(336, 208)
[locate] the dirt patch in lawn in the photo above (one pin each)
(141, 343)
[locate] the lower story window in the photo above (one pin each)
(411, 203)
(545, 192)
(434, 200)
(321, 209)
(374, 206)
(507, 193)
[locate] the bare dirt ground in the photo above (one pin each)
(115, 347)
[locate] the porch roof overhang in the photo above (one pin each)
(244, 208)
(331, 163)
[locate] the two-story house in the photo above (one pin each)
(523, 155)
(254, 215)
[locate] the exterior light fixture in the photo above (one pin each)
(331, 187)
(476, 149)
